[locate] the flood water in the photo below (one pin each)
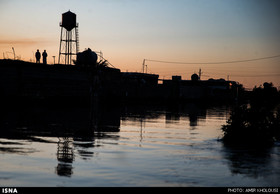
(127, 146)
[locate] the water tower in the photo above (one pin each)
(69, 44)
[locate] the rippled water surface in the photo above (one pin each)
(127, 146)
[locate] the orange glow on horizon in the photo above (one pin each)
(255, 73)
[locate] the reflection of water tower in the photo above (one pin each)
(69, 44)
(65, 157)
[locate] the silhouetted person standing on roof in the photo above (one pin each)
(44, 57)
(38, 56)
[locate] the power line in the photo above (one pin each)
(258, 75)
(219, 62)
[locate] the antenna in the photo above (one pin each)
(14, 53)
(199, 73)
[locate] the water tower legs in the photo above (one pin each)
(68, 45)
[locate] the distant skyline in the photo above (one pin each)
(129, 31)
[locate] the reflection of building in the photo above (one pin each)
(71, 124)
(191, 110)
(84, 147)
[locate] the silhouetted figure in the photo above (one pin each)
(38, 56)
(44, 57)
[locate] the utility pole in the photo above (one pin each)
(144, 65)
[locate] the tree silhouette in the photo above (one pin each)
(257, 121)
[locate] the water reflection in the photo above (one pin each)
(193, 111)
(253, 162)
(173, 112)
(65, 157)
(165, 134)
(76, 129)
(246, 161)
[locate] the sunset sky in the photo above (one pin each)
(129, 31)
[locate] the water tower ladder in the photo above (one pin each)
(77, 40)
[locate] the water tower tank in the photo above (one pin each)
(68, 20)
(195, 77)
